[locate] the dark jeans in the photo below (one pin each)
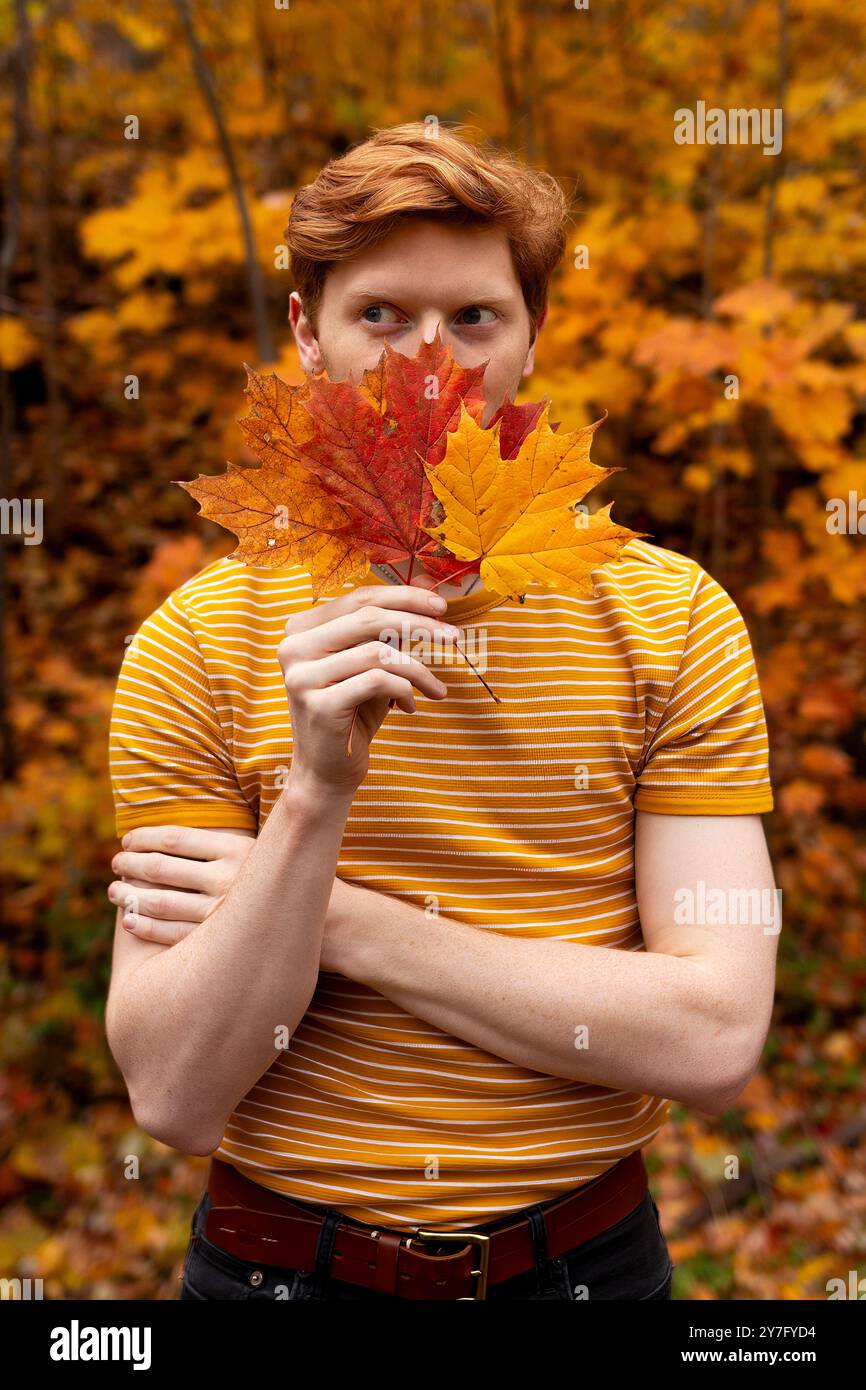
(629, 1261)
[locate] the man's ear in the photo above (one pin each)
(530, 356)
(308, 346)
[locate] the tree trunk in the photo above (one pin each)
(255, 281)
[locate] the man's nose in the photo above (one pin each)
(429, 323)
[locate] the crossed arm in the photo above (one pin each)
(685, 1019)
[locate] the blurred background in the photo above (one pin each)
(711, 300)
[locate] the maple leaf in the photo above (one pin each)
(399, 468)
(277, 426)
(343, 479)
(278, 512)
(517, 421)
(372, 441)
(308, 528)
(422, 395)
(517, 513)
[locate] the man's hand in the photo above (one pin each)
(173, 877)
(205, 863)
(337, 658)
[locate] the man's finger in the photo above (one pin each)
(161, 903)
(182, 840)
(409, 597)
(154, 867)
(339, 666)
(370, 623)
(163, 933)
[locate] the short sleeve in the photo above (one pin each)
(168, 759)
(708, 753)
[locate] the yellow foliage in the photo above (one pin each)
(17, 343)
(519, 516)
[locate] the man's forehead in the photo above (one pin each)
(464, 260)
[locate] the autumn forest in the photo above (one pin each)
(712, 301)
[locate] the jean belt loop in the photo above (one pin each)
(325, 1249)
(535, 1217)
(200, 1214)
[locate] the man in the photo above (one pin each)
(449, 985)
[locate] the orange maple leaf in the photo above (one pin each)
(343, 479)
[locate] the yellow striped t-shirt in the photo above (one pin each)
(515, 817)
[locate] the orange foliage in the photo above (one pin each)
(707, 303)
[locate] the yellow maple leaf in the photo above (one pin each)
(520, 515)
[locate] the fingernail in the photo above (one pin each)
(125, 840)
(130, 920)
(439, 603)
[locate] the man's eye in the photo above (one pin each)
(379, 311)
(474, 311)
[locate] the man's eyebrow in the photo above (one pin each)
(477, 296)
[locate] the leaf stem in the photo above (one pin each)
(478, 674)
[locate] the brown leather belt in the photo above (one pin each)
(263, 1227)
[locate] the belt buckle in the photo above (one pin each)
(483, 1243)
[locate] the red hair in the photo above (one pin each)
(400, 172)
